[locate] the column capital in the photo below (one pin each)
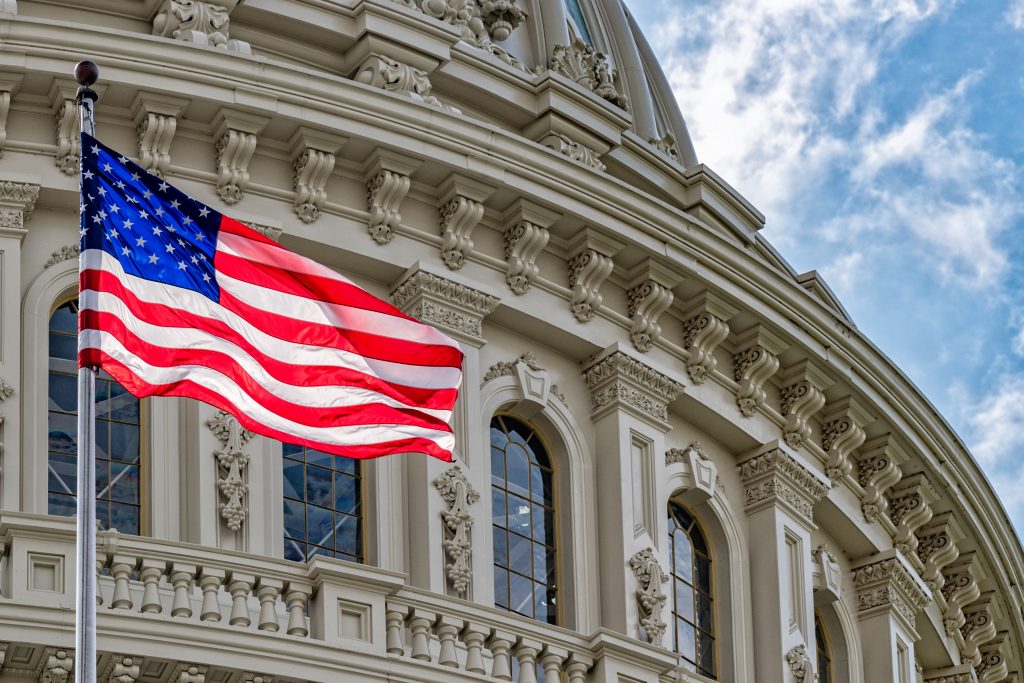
(776, 475)
(617, 380)
(886, 582)
(17, 200)
(962, 673)
(455, 308)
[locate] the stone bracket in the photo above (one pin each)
(702, 469)
(803, 395)
(959, 589)
(590, 263)
(526, 235)
(878, 469)
(706, 326)
(755, 361)
(978, 629)
(65, 111)
(650, 294)
(842, 432)
(937, 547)
(909, 509)
(313, 156)
(387, 182)
(235, 134)
(827, 577)
(156, 120)
(462, 209)
(10, 82)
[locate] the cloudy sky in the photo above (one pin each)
(884, 141)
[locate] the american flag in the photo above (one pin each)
(177, 299)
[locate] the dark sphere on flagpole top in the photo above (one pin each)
(86, 73)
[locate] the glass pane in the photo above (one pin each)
(102, 479)
(686, 640)
(124, 483)
(318, 486)
(521, 594)
(697, 538)
(501, 547)
(705, 619)
(543, 564)
(124, 518)
(681, 517)
(349, 466)
(347, 534)
(319, 526)
(63, 433)
(294, 520)
(346, 499)
(63, 392)
(123, 406)
(519, 515)
(706, 654)
(541, 608)
(63, 473)
(498, 506)
(294, 485)
(319, 458)
(124, 442)
(573, 7)
(63, 346)
(520, 554)
(500, 587)
(684, 600)
(290, 450)
(294, 550)
(518, 469)
(63, 505)
(543, 525)
(682, 556)
(497, 465)
(703, 566)
(540, 489)
(64, 319)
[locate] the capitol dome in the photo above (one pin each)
(677, 459)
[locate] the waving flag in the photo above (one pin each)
(179, 300)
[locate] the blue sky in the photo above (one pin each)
(884, 142)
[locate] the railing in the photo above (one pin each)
(364, 613)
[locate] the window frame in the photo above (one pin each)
(712, 586)
(820, 628)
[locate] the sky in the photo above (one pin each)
(884, 142)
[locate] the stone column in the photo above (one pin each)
(889, 596)
(459, 311)
(630, 412)
(17, 199)
(781, 490)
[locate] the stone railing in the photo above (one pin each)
(160, 597)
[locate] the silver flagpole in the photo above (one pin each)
(86, 74)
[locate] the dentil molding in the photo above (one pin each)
(650, 598)
(459, 495)
(231, 466)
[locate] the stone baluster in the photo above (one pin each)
(552, 660)
(394, 620)
(296, 597)
(182, 576)
(526, 653)
(267, 593)
(151, 572)
(121, 569)
(500, 643)
(210, 580)
(578, 667)
(420, 626)
(240, 587)
(447, 631)
(474, 636)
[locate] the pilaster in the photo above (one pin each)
(890, 594)
(630, 402)
(780, 491)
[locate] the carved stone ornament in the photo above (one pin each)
(800, 664)
(188, 673)
(666, 144)
(55, 665)
(754, 363)
(523, 243)
(122, 669)
(156, 131)
(878, 469)
(979, 628)
(311, 169)
(842, 432)
(481, 22)
(910, 509)
(6, 390)
(959, 589)
(650, 598)
(198, 22)
(68, 140)
(993, 667)
(962, 673)
(590, 263)
(775, 478)
(459, 494)
(508, 368)
(589, 68)
(234, 151)
(703, 471)
(568, 147)
(828, 578)
(65, 253)
(803, 395)
(459, 216)
(619, 381)
(647, 301)
(890, 584)
(454, 307)
(231, 461)
(682, 455)
(705, 327)
(384, 194)
(937, 547)
(6, 93)
(17, 200)
(381, 71)
(268, 231)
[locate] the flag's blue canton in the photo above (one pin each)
(153, 229)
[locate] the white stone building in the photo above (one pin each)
(678, 459)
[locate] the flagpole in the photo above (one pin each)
(86, 74)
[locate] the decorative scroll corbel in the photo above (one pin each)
(188, 673)
(842, 432)
(590, 263)
(800, 664)
(312, 162)
(459, 494)
(979, 628)
(387, 183)
(231, 461)
(526, 235)
(9, 84)
(65, 114)
(755, 361)
(649, 295)
(803, 395)
(959, 589)
(993, 667)
(235, 133)
(937, 547)
(122, 669)
(156, 119)
(878, 469)
(56, 665)
(909, 509)
(650, 598)
(705, 327)
(461, 210)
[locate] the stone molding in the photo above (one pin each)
(461, 210)
(705, 326)
(65, 253)
(454, 307)
(590, 263)
(962, 673)
(649, 295)
(909, 509)
(702, 469)
(937, 547)
(389, 74)
(198, 22)
(156, 120)
(526, 235)
(755, 361)
(231, 468)
(800, 664)
(878, 469)
(889, 584)
(387, 182)
(589, 68)
(568, 147)
(666, 144)
(313, 158)
(619, 381)
(803, 395)
(459, 495)
(842, 433)
(775, 477)
(650, 598)
(235, 134)
(17, 200)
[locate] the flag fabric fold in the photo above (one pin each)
(177, 299)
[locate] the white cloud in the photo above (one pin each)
(997, 441)
(844, 273)
(1015, 15)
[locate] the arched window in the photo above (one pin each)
(575, 12)
(693, 594)
(523, 507)
(824, 651)
(118, 434)
(323, 512)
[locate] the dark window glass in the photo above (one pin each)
(322, 505)
(692, 595)
(576, 12)
(118, 434)
(824, 651)
(522, 499)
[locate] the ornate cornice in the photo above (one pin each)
(452, 306)
(774, 477)
(962, 673)
(890, 584)
(619, 381)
